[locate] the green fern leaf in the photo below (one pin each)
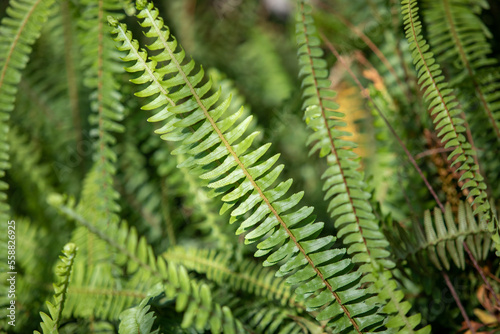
(98, 59)
(456, 32)
(50, 324)
(248, 276)
(344, 185)
(442, 238)
(246, 184)
(133, 253)
(443, 107)
(138, 320)
(19, 30)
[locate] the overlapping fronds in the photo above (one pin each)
(20, 28)
(99, 62)
(138, 260)
(459, 37)
(50, 324)
(247, 276)
(457, 32)
(194, 118)
(441, 238)
(186, 185)
(445, 111)
(141, 191)
(344, 184)
(42, 91)
(34, 267)
(275, 311)
(25, 159)
(264, 317)
(97, 289)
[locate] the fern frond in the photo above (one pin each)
(327, 282)
(270, 318)
(456, 32)
(99, 57)
(247, 276)
(97, 288)
(442, 105)
(344, 184)
(96, 267)
(19, 30)
(34, 272)
(442, 238)
(50, 324)
(31, 176)
(138, 259)
(138, 320)
(142, 192)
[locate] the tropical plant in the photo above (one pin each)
(375, 211)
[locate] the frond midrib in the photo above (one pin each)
(435, 86)
(231, 273)
(330, 136)
(146, 67)
(248, 176)
(449, 237)
(84, 291)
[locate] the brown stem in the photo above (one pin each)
(481, 272)
(459, 303)
(369, 43)
(432, 151)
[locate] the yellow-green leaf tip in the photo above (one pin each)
(112, 21)
(69, 248)
(141, 4)
(55, 199)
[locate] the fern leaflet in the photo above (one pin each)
(138, 320)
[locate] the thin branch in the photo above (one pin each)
(432, 151)
(459, 303)
(381, 114)
(369, 43)
(481, 272)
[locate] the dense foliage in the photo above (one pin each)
(135, 137)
